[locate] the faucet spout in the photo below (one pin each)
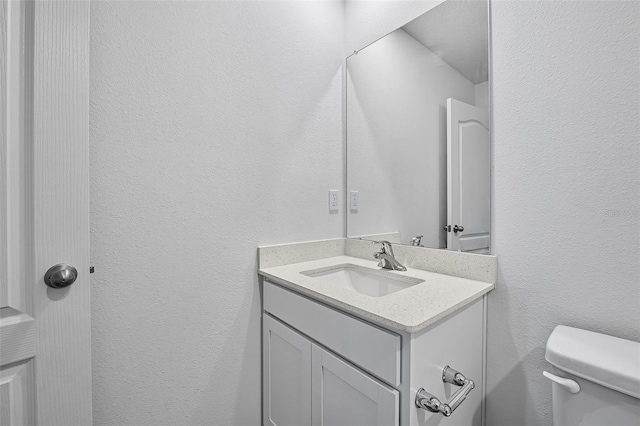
(386, 257)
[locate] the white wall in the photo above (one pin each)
(215, 127)
(397, 92)
(566, 191)
(368, 20)
(566, 85)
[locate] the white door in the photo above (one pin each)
(286, 368)
(345, 396)
(45, 340)
(468, 177)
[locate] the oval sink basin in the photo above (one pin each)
(371, 282)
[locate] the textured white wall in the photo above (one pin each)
(566, 85)
(397, 92)
(215, 127)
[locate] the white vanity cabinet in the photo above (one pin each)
(323, 366)
(305, 384)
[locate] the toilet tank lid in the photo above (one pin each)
(606, 360)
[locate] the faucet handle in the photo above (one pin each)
(386, 246)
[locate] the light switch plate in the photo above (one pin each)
(333, 200)
(354, 200)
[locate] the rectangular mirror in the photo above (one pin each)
(418, 132)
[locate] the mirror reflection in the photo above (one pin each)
(418, 132)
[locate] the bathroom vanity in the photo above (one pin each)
(346, 343)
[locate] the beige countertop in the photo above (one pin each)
(408, 310)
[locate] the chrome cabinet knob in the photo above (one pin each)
(60, 275)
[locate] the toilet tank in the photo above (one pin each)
(606, 370)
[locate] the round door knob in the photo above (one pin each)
(457, 229)
(60, 275)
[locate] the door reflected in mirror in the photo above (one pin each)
(418, 132)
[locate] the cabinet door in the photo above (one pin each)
(343, 395)
(286, 375)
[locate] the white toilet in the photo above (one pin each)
(596, 379)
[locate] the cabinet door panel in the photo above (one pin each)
(363, 344)
(343, 395)
(287, 375)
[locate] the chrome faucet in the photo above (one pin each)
(416, 241)
(386, 258)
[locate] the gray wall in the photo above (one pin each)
(566, 86)
(215, 127)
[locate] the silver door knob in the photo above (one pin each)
(457, 229)
(60, 275)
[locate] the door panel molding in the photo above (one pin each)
(17, 324)
(18, 338)
(16, 396)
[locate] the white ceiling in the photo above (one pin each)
(456, 31)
